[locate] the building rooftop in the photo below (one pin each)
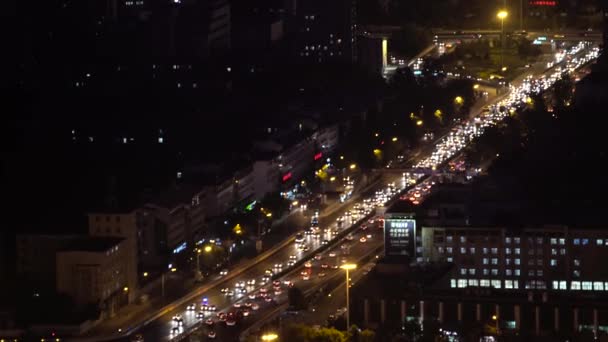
(176, 195)
(92, 244)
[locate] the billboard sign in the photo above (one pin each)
(399, 236)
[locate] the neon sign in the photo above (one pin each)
(286, 176)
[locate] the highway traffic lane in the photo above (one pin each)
(160, 329)
(357, 251)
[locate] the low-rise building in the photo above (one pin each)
(95, 270)
(36, 258)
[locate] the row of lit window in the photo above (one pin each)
(496, 283)
(580, 285)
(539, 240)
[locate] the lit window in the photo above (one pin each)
(486, 271)
(507, 250)
(473, 282)
(517, 272)
(448, 239)
(517, 261)
(507, 240)
(599, 242)
(463, 239)
(462, 283)
(576, 273)
(508, 284)
(453, 283)
(587, 285)
(555, 284)
(472, 250)
(517, 251)
(508, 261)
(517, 240)
(496, 284)
(450, 259)
(563, 285)
(449, 249)
(440, 250)
(494, 272)
(508, 272)
(577, 262)
(585, 242)
(553, 241)
(494, 250)
(562, 241)
(485, 250)
(577, 241)
(463, 250)
(484, 282)
(553, 251)
(484, 261)
(598, 286)
(553, 262)
(575, 285)
(562, 251)
(463, 271)
(471, 271)
(494, 261)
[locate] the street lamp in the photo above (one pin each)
(347, 268)
(495, 319)
(270, 337)
(502, 15)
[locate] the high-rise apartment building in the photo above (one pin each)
(325, 31)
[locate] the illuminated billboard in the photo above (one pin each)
(399, 236)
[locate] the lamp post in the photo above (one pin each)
(502, 15)
(495, 319)
(347, 268)
(162, 280)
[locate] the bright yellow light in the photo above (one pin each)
(377, 152)
(208, 249)
(412, 116)
(529, 100)
(376, 134)
(394, 139)
(476, 86)
(145, 274)
(459, 100)
(494, 317)
(504, 69)
(125, 289)
(502, 15)
(333, 178)
(173, 269)
(353, 166)
(294, 203)
(438, 113)
(419, 123)
(269, 215)
(341, 157)
(270, 337)
(238, 230)
(348, 267)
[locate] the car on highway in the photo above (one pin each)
(200, 315)
(224, 272)
(363, 239)
(175, 331)
(191, 307)
(308, 264)
(321, 274)
(211, 334)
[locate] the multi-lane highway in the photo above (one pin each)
(168, 326)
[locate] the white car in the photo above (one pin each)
(224, 272)
(191, 307)
(251, 282)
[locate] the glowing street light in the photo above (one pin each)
(458, 100)
(208, 249)
(419, 123)
(270, 337)
(394, 139)
(502, 15)
(269, 215)
(353, 166)
(347, 268)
